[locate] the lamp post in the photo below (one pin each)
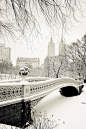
(24, 71)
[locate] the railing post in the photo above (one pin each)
(22, 91)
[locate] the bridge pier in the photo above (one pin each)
(17, 114)
(80, 89)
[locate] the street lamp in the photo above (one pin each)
(24, 71)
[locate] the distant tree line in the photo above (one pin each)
(6, 67)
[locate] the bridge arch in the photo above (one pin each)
(71, 90)
(68, 91)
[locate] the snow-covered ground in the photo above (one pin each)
(71, 110)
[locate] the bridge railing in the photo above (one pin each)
(16, 90)
(13, 89)
(39, 87)
(10, 91)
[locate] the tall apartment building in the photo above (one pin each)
(51, 48)
(5, 52)
(61, 47)
(22, 61)
(52, 63)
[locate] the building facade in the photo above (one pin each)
(51, 48)
(33, 62)
(5, 52)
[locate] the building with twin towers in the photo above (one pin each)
(53, 62)
(51, 48)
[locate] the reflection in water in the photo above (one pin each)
(71, 110)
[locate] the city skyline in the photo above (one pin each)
(38, 48)
(50, 52)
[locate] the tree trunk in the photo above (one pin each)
(57, 75)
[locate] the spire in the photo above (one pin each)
(51, 41)
(61, 47)
(51, 48)
(61, 39)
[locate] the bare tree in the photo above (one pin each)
(47, 67)
(28, 14)
(5, 66)
(58, 70)
(55, 66)
(77, 56)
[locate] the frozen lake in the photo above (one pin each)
(71, 110)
